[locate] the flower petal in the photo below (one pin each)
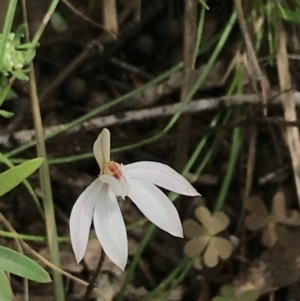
(81, 218)
(101, 148)
(110, 228)
(119, 188)
(156, 206)
(161, 175)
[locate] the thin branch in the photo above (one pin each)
(196, 106)
(290, 114)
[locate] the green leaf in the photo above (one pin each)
(15, 175)
(29, 55)
(7, 162)
(21, 265)
(203, 2)
(20, 75)
(58, 22)
(19, 33)
(6, 114)
(5, 292)
(288, 15)
(228, 291)
(249, 296)
(11, 95)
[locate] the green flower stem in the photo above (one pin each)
(33, 238)
(36, 238)
(209, 154)
(173, 275)
(186, 268)
(199, 34)
(236, 143)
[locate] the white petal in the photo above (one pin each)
(119, 188)
(156, 206)
(110, 228)
(101, 148)
(81, 218)
(161, 175)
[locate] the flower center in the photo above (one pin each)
(113, 169)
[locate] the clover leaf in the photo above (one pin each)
(260, 219)
(204, 240)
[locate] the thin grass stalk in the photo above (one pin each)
(163, 284)
(46, 189)
(45, 21)
(236, 143)
(176, 281)
(199, 34)
(134, 263)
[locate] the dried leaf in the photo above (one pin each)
(211, 257)
(195, 247)
(198, 263)
(223, 246)
(256, 206)
(278, 206)
(192, 229)
(259, 216)
(255, 223)
(213, 223)
(218, 247)
(204, 216)
(281, 215)
(269, 236)
(219, 222)
(292, 218)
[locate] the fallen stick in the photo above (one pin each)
(193, 107)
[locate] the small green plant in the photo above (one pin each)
(228, 293)
(10, 260)
(15, 56)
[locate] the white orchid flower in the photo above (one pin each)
(98, 202)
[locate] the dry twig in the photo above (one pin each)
(293, 138)
(196, 106)
(190, 33)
